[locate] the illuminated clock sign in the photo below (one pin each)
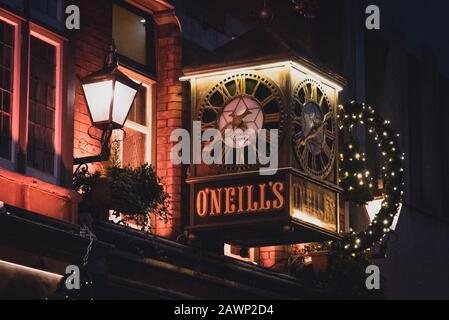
(296, 103)
(250, 206)
(314, 204)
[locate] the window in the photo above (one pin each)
(17, 4)
(47, 7)
(9, 89)
(235, 252)
(50, 12)
(6, 88)
(133, 35)
(135, 145)
(44, 105)
(30, 106)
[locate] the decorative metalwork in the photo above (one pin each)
(314, 129)
(242, 101)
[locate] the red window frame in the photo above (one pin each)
(21, 91)
(16, 23)
(56, 41)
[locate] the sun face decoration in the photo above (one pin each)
(240, 115)
(237, 105)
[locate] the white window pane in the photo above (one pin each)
(129, 33)
(138, 112)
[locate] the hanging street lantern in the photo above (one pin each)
(109, 95)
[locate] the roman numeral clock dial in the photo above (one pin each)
(314, 129)
(239, 103)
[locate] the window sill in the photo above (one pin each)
(38, 196)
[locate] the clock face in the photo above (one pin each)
(236, 106)
(314, 129)
(239, 115)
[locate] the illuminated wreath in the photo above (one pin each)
(350, 115)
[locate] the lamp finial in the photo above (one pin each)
(111, 59)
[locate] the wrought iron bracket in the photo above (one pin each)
(105, 150)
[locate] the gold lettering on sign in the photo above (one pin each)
(241, 210)
(201, 203)
(215, 195)
(252, 206)
(278, 188)
(264, 205)
(264, 197)
(315, 205)
(230, 199)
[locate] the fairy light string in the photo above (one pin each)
(380, 131)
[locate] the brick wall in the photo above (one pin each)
(169, 117)
(38, 196)
(274, 257)
(92, 42)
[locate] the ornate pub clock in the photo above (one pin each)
(241, 102)
(246, 86)
(314, 129)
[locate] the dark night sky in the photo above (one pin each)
(424, 22)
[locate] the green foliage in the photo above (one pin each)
(355, 178)
(134, 193)
(381, 132)
(345, 275)
(137, 191)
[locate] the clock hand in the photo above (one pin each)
(313, 134)
(238, 120)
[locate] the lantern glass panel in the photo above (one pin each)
(123, 100)
(98, 96)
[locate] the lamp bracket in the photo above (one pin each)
(105, 150)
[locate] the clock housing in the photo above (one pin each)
(300, 202)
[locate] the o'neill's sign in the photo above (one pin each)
(240, 199)
(241, 207)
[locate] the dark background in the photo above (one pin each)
(424, 23)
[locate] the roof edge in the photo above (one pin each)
(219, 68)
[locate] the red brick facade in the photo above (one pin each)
(169, 117)
(92, 42)
(89, 45)
(274, 257)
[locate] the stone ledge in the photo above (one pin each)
(38, 196)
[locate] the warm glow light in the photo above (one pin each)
(373, 207)
(298, 214)
(228, 252)
(19, 267)
(123, 99)
(109, 93)
(98, 96)
(224, 72)
(285, 64)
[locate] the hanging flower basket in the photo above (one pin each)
(131, 192)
